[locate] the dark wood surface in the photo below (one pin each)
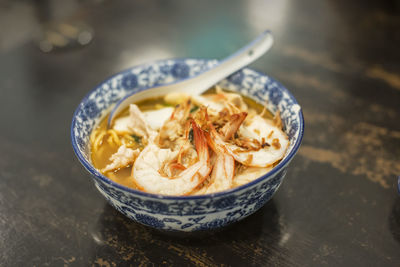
(338, 205)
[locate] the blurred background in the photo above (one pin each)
(339, 203)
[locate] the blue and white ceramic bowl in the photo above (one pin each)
(186, 213)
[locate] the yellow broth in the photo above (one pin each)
(100, 159)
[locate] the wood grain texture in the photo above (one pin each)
(338, 205)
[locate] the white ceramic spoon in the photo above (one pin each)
(200, 83)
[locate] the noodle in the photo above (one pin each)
(106, 142)
(98, 141)
(114, 137)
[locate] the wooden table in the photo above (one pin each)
(338, 205)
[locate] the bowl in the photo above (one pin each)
(186, 213)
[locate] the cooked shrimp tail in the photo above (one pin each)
(200, 142)
(231, 127)
(258, 144)
(202, 151)
(223, 171)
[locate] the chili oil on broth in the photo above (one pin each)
(100, 156)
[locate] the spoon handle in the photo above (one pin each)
(227, 66)
(200, 83)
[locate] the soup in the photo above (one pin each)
(185, 145)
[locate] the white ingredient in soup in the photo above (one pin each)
(189, 145)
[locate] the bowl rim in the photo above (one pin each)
(93, 171)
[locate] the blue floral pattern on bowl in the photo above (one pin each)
(186, 213)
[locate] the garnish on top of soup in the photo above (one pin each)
(187, 145)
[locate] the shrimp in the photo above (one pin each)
(174, 128)
(148, 177)
(224, 164)
(230, 128)
(221, 177)
(259, 142)
(187, 154)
